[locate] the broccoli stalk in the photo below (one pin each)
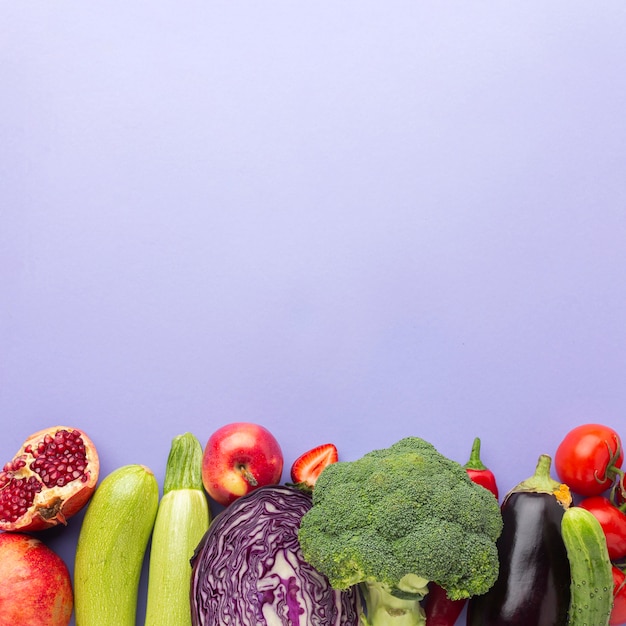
(385, 608)
(397, 519)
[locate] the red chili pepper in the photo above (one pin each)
(439, 609)
(478, 472)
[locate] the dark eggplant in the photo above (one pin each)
(533, 585)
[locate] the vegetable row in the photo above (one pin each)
(402, 536)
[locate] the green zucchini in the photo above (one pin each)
(182, 520)
(591, 571)
(111, 547)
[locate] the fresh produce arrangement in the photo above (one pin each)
(401, 536)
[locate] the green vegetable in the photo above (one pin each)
(182, 520)
(397, 519)
(111, 546)
(591, 569)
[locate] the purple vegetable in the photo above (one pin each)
(248, 569)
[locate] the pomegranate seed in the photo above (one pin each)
(13, 466)
(17, 496)
(61, 458)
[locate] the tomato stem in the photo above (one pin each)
(616, 474)
(619, 500)
(612, 470)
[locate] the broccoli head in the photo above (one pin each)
(396, 519)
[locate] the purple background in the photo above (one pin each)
(349, 222)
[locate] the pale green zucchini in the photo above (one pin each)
(182, 520)
(111, 547)
(591, 572)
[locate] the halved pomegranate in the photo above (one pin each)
(51, 478)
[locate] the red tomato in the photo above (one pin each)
(613, 522)
(619, 494)
(588, 458)
(618, 614)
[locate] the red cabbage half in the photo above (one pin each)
(249, 571)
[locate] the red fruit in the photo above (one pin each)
(478, 472)
(308, 466)
(239, 458)
(613, 522)
(51, 478)
(589, 458)
(618, 614)
(36, 587)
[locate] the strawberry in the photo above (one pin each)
(308, 466)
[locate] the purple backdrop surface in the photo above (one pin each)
(349, 222)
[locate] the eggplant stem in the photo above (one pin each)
(542, 482)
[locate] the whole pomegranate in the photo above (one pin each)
(36, 587)
(51, 478)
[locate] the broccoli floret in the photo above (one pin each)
(397, 519)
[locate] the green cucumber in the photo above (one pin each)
(181, 522)
(111, 547)
(591, 571)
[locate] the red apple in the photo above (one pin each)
(239, 458)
